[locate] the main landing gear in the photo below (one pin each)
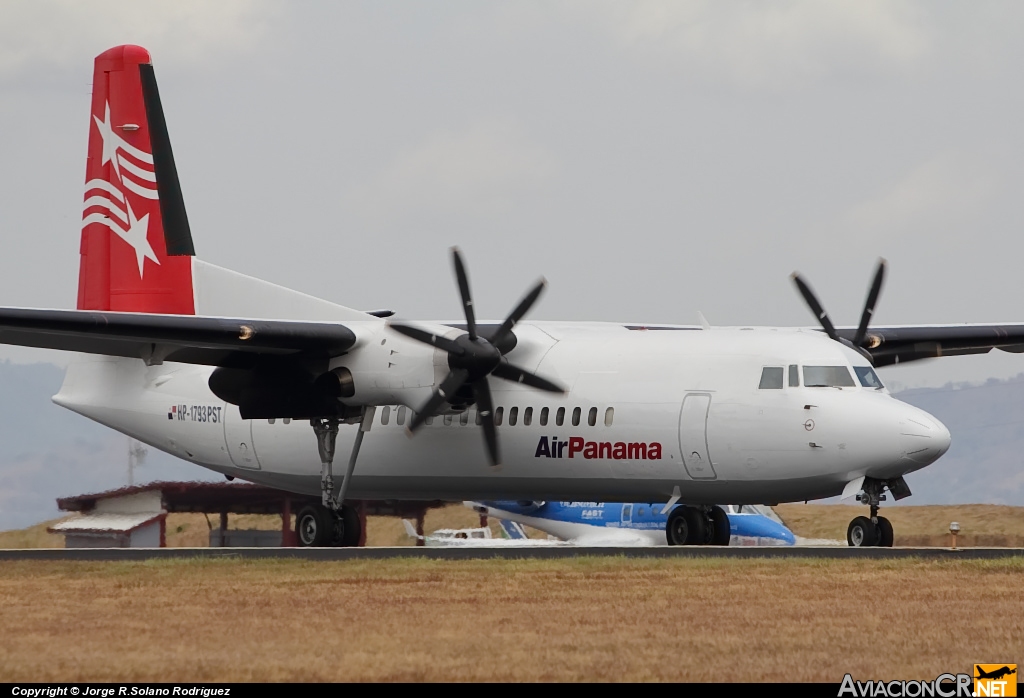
(703, 525)
(875, 530)
(332, 522)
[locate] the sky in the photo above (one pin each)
(649, 159)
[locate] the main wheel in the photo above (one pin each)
(314, 527)
(677, 529)
(884, 533)
(685, 526)
(862, 533)
(720, 532)
(348, 528)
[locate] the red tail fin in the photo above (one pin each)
(136, 244)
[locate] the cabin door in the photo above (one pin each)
(238, 439)
(693, 436)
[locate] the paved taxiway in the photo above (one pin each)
(481, 552)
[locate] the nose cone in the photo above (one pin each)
(923, 438)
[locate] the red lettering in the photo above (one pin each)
(590, 451)
(654, 451)
(575, 445)
(604, 450)
(637, 451)
(620, 451)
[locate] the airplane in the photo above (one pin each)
(646, 521)
(478, 537)
(232, 373)
(996, 673)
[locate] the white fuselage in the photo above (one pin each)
(687, 397)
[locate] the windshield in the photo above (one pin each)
(828, 377)
(868, 378)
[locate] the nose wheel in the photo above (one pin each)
(873, 530)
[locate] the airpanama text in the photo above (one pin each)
(577, 446)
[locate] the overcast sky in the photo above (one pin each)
(649, 159)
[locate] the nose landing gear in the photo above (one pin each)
(875, 530)
(698, 526)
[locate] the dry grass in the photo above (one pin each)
(986, 525)
(31, 537)
(193, 530)
(585, 619)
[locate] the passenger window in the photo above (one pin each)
(497, 416)
(447, 420)
(794, 376)
(868, 378)
(560, 417)
(464, 418)
(544, 416)
(385, 415)
(401, 416)
(771, 378)
(827, 377)
(609, 415)
(271, 420)
(429, 420)
(286, 420)
(527, 416)
(640, 511)
(592, 416)
(479, 418)
(513, 416)
(576, 411)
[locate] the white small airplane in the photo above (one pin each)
(229, 372)
(477, 537)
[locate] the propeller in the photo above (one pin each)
(861, 335)
(472, 358)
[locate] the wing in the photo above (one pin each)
(211, 341)
(894, 345)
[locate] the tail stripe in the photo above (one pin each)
(140, 190)
(105, 186)
(136, 170)
(109, 205)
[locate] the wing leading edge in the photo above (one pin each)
(894, 345)
(211, 341)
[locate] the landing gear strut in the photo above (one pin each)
(705, 525)
(333, 522)
(875, 530)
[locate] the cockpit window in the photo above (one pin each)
(868, 378)
(828, 377)
(771, 378)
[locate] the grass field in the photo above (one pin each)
(986, 525)
(507, 620)
(981, 525)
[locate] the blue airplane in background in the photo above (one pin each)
(626, 522)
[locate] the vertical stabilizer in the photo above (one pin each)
(136, 250)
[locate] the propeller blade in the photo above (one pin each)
(452, 382)
(869, 304)
(467, 300)
(516, 315)
(485, 406)
(518, 375)
(428, 337)
(815, 306)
